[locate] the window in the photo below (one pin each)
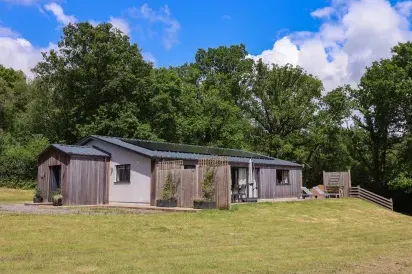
(123, 173)
(282, 177)
(189, 166)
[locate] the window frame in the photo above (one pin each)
(285, 179)
(124, 168)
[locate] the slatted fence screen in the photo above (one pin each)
(338, 179)
(189, 180)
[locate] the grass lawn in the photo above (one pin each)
(318, 236)
(10, 195)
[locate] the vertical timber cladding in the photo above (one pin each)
(342, 179)
(189, 181)
(87, 181)
(222, 179)
(185, 179)
(52, 157)
(268, 189)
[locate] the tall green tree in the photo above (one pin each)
(378, 119)
(281, 104)
(96, 82)
(14, 95)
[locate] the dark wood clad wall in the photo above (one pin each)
(293, 189)
(268, 189)
(83, 178)
(86, 181)
(267, 183)
(52, 157)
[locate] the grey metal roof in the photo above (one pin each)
(127, 144)
(80, 150)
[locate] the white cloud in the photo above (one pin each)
(22, 2)
(404, 8)
(362, 31)
(20, 54)
(7, 32)
(226, 17)
(120, 24)
(148, 56)
(57, 10)
(323, 12)
(162, 16)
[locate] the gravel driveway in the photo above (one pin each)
(30, 209)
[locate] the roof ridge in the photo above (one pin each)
(65, 145)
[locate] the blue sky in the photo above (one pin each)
(329, 38)
(202, 23)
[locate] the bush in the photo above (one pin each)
(18, 161)
(170, 188)
(208, 185)
(37, 193)
(401, 182)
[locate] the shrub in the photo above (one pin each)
(18, 160)
(57, 195)
(37, 193)
(170, 188)
(208, 184)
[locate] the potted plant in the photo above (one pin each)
(168, 197)
(57, 198)
(208, 200)
(37, 198)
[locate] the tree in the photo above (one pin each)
(97, 82)
(281, 103)
(13, 96)
(378, 118)
(329, 135)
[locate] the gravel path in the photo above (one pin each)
(30, 209)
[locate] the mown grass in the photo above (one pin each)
(319, 236)
(11, 195)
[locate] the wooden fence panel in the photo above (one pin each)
(341, 179)
(358, 192)
(188, 188)
(189, 181)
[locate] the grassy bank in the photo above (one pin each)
(339, 236)
(11, 195)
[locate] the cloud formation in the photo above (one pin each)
(58, 12)
(120, 24)
(22, 2)
(20, 54)
(358, 33)
(148, 56)
(163, 17)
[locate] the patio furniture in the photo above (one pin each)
(326, 194)
(307, 193)
(235, 194)
(242, 192)
(333, 191)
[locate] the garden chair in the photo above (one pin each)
(307, 193)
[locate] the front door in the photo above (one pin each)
(55, 180)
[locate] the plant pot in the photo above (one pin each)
(204, 205)
(37, 200)
(249, 200)
(166, 203)
(58, 202)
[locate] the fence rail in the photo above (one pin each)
(364, 194)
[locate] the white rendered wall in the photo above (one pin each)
(138, 190)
